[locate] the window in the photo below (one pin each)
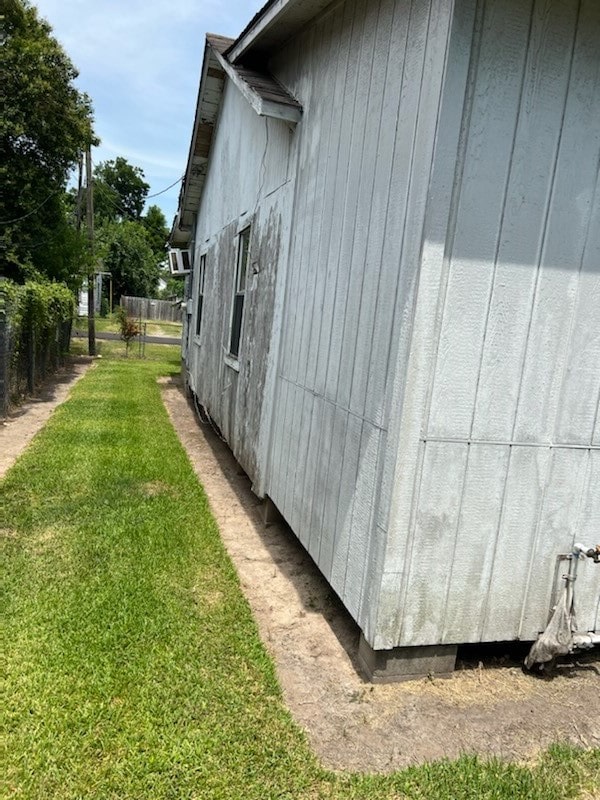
(179, 262)
(241, 269)
(201, 279)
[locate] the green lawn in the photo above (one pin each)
(116, 349)
(110, 325)
(133, 665)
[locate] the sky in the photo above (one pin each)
(140, 63)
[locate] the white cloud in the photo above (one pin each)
(157, 160)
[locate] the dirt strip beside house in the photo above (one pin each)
(488, 707)
(24, 421)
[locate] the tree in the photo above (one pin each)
(46, 123)
(156, 227)
(121, 191)
(126, 253)
(128, 327)
(174, 287)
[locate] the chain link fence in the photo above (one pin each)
(31, 347)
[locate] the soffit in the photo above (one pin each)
(273, 25)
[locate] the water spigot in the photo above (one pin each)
(594, 554)
(583, 551)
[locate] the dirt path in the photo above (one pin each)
(25, 421)
(492, 710)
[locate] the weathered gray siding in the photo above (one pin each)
(247, 184)
(419, 372)
(368, 75)
(499, 468)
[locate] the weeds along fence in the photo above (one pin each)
(149, 309)
(35, 332)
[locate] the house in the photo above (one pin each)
(392, 209)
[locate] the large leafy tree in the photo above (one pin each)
(127, 254)
(122, 190)
(45, 124)
(155, 225)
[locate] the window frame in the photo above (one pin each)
(199, 304)
(240, 286)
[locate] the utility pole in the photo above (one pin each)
(79, 191)
(89, 196)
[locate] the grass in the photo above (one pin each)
(115, 349)
(134, 668)
(110, 325)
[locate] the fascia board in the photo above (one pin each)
(264, 108)
(263, 24)
(179, 231)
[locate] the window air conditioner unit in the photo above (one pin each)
(180, 262)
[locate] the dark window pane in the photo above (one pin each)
(236, 324)
(199, 316)
(242, 261)
(201, 277)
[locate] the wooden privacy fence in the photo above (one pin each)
(147, 308)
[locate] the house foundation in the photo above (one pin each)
(406, 663)
(271, 514)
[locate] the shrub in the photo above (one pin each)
(129, 328)
(37, 321)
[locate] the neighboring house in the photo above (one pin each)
(82, 300)
(393, 215)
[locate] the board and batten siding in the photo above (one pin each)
(368, 75)
(247, 183)
(499, 457)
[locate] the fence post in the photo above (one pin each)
(31, 360)
(4, 356)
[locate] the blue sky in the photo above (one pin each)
(140, 62)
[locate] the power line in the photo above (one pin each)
(105, 191)
(156, 194)
(148, 197)
(125, 213)
(37, 208)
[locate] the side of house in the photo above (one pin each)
(335, 208)
(498, 470)
(238, 234)
(369, 76)
(396, 298)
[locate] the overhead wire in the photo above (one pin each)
(106, 195)
(122, 210)
(30, 213)
(156, 194)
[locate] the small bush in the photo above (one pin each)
(129, 328)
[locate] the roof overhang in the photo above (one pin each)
(267, 97)
(274, 24)
(264, 94)
(212, 82)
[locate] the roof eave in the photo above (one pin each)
(263, 107)
(197, 161)
(273, 25)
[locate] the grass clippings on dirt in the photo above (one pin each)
(133, 665)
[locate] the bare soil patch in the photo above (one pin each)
(488, 707)
(23, 422)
